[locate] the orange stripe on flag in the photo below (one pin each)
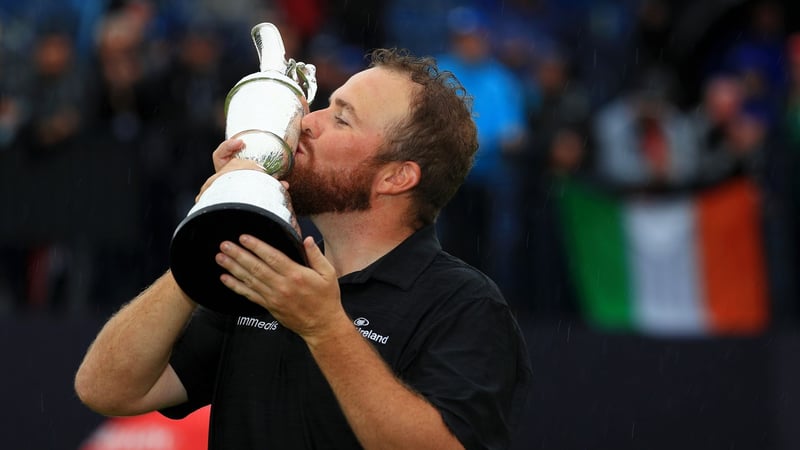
(731, 253)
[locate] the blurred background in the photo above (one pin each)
(636, 193)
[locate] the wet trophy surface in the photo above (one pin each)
(264, 110)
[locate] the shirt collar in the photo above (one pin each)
(403, 264)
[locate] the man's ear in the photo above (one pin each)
(399, 176)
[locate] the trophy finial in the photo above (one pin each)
(269, 44)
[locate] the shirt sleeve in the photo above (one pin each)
(195, 359)
(473, 366)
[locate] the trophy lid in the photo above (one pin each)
(269, 45)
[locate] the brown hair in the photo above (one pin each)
(440, 134)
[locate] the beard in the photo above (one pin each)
(331, 191)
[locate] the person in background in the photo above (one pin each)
(482, 225)
(51, 131)
(643, 141)
(716, 119)
(557, 147)
(54, 94)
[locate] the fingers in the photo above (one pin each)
(245, 271)
(257, 264)
(240, 288)
(239, 164)
(278, 263)
(269, 278)
(317, 260)
(226, 151)
(301, 298)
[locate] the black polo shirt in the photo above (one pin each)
(441, 325)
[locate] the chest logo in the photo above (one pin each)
(361, 323)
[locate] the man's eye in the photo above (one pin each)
(339, 120)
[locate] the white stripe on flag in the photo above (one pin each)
(662, 258)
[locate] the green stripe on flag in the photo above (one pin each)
(596, 249)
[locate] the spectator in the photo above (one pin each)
(716, 120)
(558, 115)
(482, 223)
(643, 140)
(758, 57)
(792, 127)
(50, 133)
(120, 94)
(54, 94)
(793, 97)
(195, 86)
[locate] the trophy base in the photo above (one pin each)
(196, 242)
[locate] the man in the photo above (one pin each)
(383, 341)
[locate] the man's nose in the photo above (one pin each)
(308, 124)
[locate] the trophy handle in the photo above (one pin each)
(306, 77)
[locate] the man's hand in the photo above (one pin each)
(226, 151)
(384, 413)
(304, 299)
(225, 161)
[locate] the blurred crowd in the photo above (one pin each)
(110, 109)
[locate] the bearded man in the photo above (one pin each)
(382, 341)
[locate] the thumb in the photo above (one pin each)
(316, 260)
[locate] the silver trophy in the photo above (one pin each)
(264, 110)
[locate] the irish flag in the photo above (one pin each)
(688, 265)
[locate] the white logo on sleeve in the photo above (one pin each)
(362, 322)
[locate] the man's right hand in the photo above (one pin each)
(226, 151)
(225, 160)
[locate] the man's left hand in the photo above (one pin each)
(304, 299)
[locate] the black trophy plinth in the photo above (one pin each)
(196, 242)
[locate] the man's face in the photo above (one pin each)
(334, 167)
